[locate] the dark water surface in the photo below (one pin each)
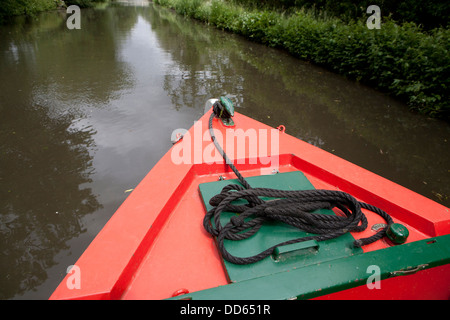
(85, 114)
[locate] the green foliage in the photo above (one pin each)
(257, 26)
(9, 8)
(83, 3)
(429, 14)
(400, 59)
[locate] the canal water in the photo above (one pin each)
(85, 114)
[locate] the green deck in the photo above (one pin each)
(310, 269)
(284, 258)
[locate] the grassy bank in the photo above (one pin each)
(429, 14)
(12, 8)
(83, 3)
(400, 59)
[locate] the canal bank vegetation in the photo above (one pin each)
(83, 3)
(29, 8)
(429, 14)
(10, 8)
(401, 58)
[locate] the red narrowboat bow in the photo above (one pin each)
(159, 245)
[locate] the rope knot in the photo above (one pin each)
(237, 221)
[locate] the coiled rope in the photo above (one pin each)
(292, 207)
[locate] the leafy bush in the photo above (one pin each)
(82, 3)
(10, 8)
(256, 26)
(429, 14)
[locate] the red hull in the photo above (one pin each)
(155, 244)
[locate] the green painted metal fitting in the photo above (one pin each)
(397, 233)
(294, 250)
(228, 105)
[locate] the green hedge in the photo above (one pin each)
(10, 8)
(429, 14)
(82, 3)
(400, 59)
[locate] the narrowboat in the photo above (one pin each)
(238, 210)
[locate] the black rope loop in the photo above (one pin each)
(293, 207)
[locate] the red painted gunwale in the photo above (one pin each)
(155, 245)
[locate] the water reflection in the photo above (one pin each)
(51, 79)
(201, 66)
(43, 164)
